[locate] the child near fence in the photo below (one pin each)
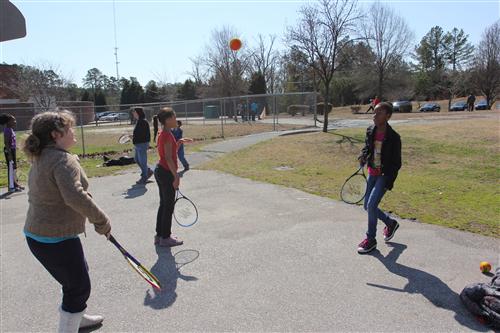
(9, 135)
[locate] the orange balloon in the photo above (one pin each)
(235, 44)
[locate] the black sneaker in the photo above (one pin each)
(390, 231)
(367, 245)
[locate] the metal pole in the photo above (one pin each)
(274, 113)
(224, 112)
(277, 115)
(247, 111)
(203, 111)
(83, 136)
(221, 119)
(186, 111)
(315, 106)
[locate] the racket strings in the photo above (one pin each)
(185, 212)
(354, 189)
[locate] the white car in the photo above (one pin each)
(115, 116)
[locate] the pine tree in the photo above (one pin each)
(458, 50)
(187, 91)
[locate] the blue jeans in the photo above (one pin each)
(375, 190)
(141, 158)
(180, 154)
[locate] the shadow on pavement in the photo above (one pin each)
(426, 284)
(167, 270)
(135, 191)
(91, 329)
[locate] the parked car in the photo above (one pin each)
(108, 117)
(430, 107)
(402, 106)
(482, 105)
(99, 115)
(115, 116)
(459, 106)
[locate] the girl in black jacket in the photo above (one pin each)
(382, 154)
(141, 138)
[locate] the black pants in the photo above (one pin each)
(165, 179)
(66, 263)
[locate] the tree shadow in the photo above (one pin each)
(168, 272)
(426, 284)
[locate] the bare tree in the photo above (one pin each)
(486, 72)
(321, 34)
(266, 61)
(44, 84)
(226, 67)
(198, 72)
(389, 37)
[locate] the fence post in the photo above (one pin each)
(221, 118)
(203, 112)
(277, 117)
(186, 111)
(315, 108)
(83, 136)
(274, 113)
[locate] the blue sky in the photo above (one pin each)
(156, 38)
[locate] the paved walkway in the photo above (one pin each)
(269, 258)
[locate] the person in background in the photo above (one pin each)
(178, 135)
(9, 137)
(470, 102)
(373, 104)
(141, 138)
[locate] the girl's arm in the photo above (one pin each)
(170, 162)
(67, 176)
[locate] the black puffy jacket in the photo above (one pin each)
(391, 153)
(142, 134)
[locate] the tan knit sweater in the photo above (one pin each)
(58, 199)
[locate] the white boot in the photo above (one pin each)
(90, 321)
(69, 322)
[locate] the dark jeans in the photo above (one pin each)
(165, 179)
(66, 263)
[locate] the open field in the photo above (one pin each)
(450, 173)
(345, 111)
(103, 139)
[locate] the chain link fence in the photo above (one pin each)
(99, 127)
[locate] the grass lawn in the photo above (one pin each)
(103, 139)
(450, 173)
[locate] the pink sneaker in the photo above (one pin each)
(170, 242)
